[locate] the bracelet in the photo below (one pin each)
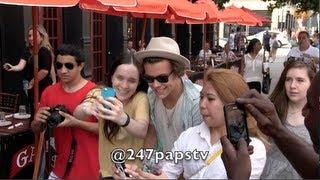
(127, 121)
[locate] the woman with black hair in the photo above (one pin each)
(125, 122)
(253, 71)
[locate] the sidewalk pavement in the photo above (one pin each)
(277, 66)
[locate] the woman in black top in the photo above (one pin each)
(46, 73)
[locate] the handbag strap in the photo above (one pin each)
(211, 159)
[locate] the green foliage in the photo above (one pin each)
(220, 3)
(301, 5)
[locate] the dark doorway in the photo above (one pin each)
(12, 43)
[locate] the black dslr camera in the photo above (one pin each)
(55, 118)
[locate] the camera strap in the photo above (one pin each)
(71, 155)
(49, 151)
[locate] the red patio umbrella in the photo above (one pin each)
(41, 3)
(181, 8)
(123, 3)
(208, 7)
(143, 9)
(263, 19)
(211, 12)
(164, 9)
(234, 15)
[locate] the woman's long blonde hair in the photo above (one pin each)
(230, 85)
(46, 44)
(45, 37)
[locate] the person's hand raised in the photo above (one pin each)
(263, 110)
(114, 112)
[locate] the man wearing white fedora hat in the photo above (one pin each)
(174, 101)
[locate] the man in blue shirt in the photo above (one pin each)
(174, 101)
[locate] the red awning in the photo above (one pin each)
(209, 9)
(45, 3)
(234, 15)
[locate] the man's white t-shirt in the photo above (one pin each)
(311, 51)
(201, 53)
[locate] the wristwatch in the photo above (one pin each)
(127, 121)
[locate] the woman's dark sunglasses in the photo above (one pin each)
(160, 78)
(69, 66)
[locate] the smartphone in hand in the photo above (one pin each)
(121, 167)
(108, 92)
(236, 123)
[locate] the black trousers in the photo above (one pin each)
(255, 85)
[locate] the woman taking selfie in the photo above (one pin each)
(289, 97)
(124, 123)
(217, 91)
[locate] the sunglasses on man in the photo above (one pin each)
(59, 65)
(305, 60)
(161, 78)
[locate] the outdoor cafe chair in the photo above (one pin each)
(8, 102)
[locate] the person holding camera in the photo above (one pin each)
(75, 141)
(124, 123)
(217, 92)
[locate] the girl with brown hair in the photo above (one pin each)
(289, 98)
(125, 124)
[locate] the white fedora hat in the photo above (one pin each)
(162, 47)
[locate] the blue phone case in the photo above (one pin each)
(108, 92)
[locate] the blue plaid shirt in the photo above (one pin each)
(190, 114)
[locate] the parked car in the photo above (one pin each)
(282, 38)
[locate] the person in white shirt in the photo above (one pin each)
(253, 73)
(304, 48)
(274, 46)
(206, 52)
(231, 40)
(217, 91)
